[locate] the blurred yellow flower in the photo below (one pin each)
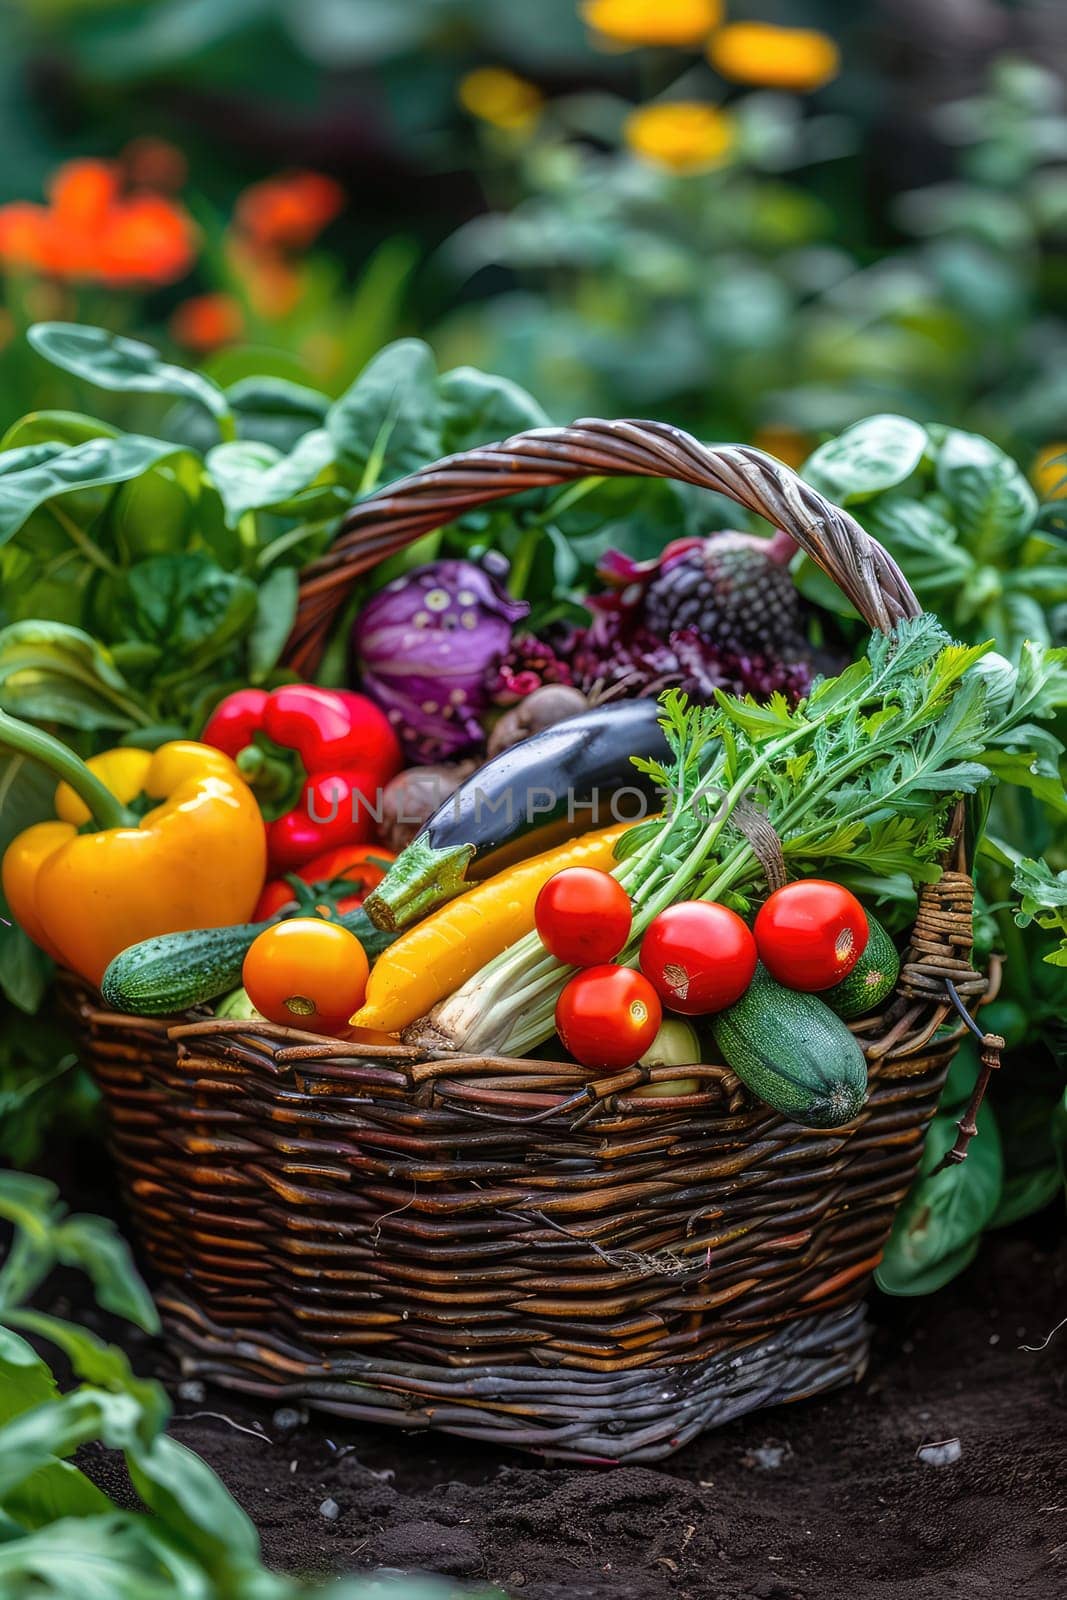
(684, 135)
(774, 58)
(1048, 473)
(650, 22)
(501, 97)
(784, 442)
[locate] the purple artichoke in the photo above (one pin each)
(428, 649)
(615, 656)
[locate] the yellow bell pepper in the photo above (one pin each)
(175, 841)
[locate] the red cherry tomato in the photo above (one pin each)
(810, 934)
(583, 916)
(608, 1016)
(699, 956)
(307, 973)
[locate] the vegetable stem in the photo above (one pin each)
(523, 561)
(249, 539)
(78, 537)
(227, 425)
(54, 755)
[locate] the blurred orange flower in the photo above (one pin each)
(151, 163)
(652, 22)
(500, 97)
(683, 135)
(90, 231)
(207, 321)
(270, 281)
(774, 58)
(290, 211)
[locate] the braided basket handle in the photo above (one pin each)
(403, 511)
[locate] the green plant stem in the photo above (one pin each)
(53, 754)
(227, 426)
(1015, 955)
(522, 563)
(88, 547)
(269, 553)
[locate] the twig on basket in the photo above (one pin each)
(637, 1263)
(376, 1231)
(991, 1046)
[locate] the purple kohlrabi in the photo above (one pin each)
(428, 647)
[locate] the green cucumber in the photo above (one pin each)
(793, 1052)
(160, 977)
(872, 979)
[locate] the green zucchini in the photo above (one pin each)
(872, 979)
(793, 1052)
(162, 976)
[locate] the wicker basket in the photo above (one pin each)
(497, 1248)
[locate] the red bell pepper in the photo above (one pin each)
(338, 880)
(348, 753)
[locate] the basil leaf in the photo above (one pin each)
(24, 976)
(390, 421)
(922, 538)
(267, 409)
(275, 615)
(113, 362)
(38, 1083)
(277, 397)
(480, 408)
(1040, 891)
(35, 473)
(995, 507)
(56, 1490)
(102, 1364)
(186, 605)
(252, 477)
(56, 427)
(873, 455)
(1027, 1192)
(25, 1380)
(95, 1245)
(121, 1556)
(192, 1504)
(27, 795)
(50, 672)
(1043, 899)
(922, 1280)
(938, 1227)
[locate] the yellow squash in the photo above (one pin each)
(439, 954)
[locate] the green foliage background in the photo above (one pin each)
(872, 283)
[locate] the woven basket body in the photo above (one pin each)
(476, 1244)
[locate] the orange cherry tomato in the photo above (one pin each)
(307, 973)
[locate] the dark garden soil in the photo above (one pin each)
(816, 1501)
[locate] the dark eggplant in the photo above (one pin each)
(569, 778)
